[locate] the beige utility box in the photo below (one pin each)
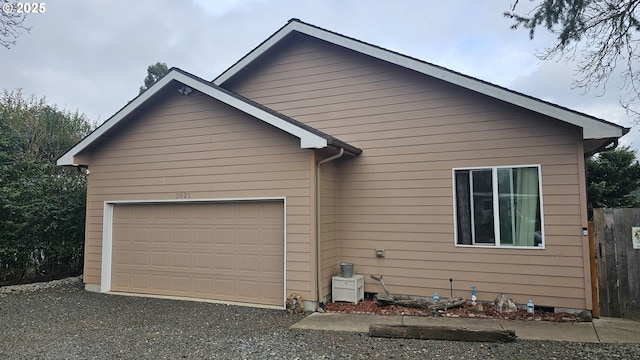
(348, 289)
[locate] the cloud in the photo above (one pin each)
(93, 55)
(220, 8)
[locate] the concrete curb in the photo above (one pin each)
(603, 330)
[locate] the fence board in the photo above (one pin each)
(617, 262)
(633, 271)
(593, 255)
(604, 298)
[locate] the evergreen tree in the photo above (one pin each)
(154, 73)
(612, 177)
(601, 35)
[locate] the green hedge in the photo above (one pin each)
(42, 206)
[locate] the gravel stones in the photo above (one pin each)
(15, 289)
(67, 322)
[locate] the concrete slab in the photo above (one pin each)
(617, 331)
(545, 330)
(606, 330)
(345, 322)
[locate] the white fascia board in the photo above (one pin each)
(68, 157)
(307, 138)
(592, 129)
(257, 52)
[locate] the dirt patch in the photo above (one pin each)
(481, 311)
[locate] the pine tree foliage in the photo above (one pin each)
(601, 36)
(613, 177)
(154, 73)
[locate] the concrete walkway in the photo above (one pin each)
(603, 330)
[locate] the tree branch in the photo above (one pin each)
(11, 25)
(603, 34)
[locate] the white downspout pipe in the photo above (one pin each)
(318, 230)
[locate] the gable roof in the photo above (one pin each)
(309, 137)
(593, 128)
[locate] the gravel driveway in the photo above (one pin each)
(68, 322)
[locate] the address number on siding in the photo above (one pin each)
(183, 195)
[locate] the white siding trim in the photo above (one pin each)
(592, 128)
(107, 241)
(107, 231)
(284, 280)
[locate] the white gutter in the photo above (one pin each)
(318, 228)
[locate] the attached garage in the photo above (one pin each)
(225, 251)
(196, 192)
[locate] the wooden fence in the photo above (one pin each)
(618, 262)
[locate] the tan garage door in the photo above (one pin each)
(232, 251)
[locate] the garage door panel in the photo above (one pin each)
(268, 293)
(182, 212)
(202, 261)
(220, 251)
(246, 289)
(141, 281)
(141, 258)
(202, 285)
(160, 213)
(161, 235)
(247, 263)
(181, 284)
(223, 262)
(202, 236)
(160, 282)
(125, 214)
(121, 258)
(121, 278)
(204, 212)
(181, 235)
(247, 237)
(224, 236)
(269, 264)
(181, 260)
(225, 288)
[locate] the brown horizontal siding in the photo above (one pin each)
(209, 144)
(398, 194)
(199, 146)
(329, 227)
(192, 168)
(207, 158)
(144, 178)
(239, 187)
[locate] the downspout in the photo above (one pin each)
(318, 242)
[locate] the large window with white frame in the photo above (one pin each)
(498, 206)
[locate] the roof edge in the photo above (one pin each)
(309, 137)
(593, 128)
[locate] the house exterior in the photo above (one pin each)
(316, 149)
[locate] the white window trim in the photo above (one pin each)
(496, 224)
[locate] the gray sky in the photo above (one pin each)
(92, 56)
